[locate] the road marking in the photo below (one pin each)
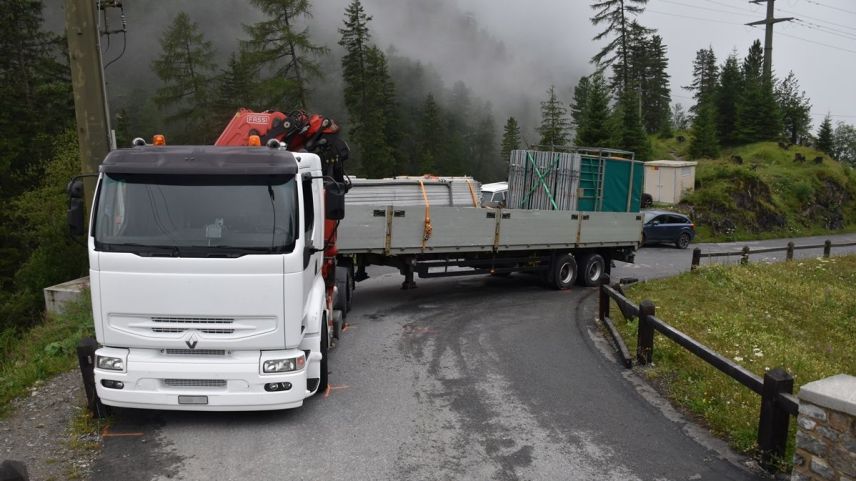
(331, 387)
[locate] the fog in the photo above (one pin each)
(509, 53)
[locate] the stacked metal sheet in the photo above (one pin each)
(406, 191)
(543, 180)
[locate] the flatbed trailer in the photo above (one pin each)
(561, 246)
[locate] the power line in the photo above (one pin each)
(831, 7)
(742, 10)
(851, 27)
(692, 18)
(818, 43)
(826, 30)
(702, 8)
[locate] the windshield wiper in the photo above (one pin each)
(142, 249)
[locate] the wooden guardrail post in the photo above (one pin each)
(86, 358)
(773, 425)
(645, 333)
(790, 252)
(827, 249)
(744, 256)
(603, 307)
(696, 259)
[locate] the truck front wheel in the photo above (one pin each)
(563, 272)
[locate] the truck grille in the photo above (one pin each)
(195, 382)
(195, 352)
(173, 327)
(200, 324)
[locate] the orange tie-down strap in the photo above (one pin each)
(426, 232)
(472, 193)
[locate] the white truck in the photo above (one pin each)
(205, 270)
(209, 281)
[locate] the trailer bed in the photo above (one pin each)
(402, 230)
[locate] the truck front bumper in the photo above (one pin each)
(232, 382)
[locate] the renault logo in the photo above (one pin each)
(191, 342)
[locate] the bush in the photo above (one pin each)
(39, 220)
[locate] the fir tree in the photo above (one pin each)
(656, 93)
(280, 48)
(844, 144)
(727, 100)
(554, 123)
(758, 116)
(705, 77)
(630, 134)
(511, 140)
(618, 16)
(704, 143)
(824, 136)
(484, 160)
(185, 68)
(356, 40)
(795, 108)
(431, 136)
(236, 88)
(680, 121)
(378, 135)
(594, 130)
(578, 104)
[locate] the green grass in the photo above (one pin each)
(669, 148)
(770, 195)
(798, 315)
(43, 351)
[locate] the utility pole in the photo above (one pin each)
(87, 80)
(768, 38)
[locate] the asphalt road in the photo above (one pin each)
(463, 378)
(665, 260)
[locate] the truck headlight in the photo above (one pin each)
(284, 365)
(110, 363)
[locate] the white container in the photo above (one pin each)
(669, 180)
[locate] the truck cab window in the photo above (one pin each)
(308, 208)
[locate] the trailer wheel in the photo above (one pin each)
(563, 272)
(592, 268)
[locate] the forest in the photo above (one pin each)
(399, 115)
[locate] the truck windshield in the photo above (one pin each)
(196, 216)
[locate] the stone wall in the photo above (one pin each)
(826, 431)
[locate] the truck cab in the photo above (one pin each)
(206, 278)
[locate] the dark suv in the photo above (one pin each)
(667, 227)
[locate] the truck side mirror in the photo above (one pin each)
(334, 200)
(76, 209)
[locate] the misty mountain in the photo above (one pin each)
(448, 41)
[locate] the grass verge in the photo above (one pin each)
(797, 315)
(43, 351)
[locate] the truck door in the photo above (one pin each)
(311, 234)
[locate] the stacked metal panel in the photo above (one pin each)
(543, 180)
(406, 191)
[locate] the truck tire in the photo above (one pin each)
(338, 322)
(563, 272)
(592, 267)
(325, 343)
(343, 286)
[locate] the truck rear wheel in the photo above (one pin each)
(591, 269)
(563, 272)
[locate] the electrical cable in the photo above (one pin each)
(694, 18)
(814, 42)
(789, 12)
(702, 8)
(815, 2)
(826, 30)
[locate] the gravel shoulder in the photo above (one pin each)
(38, 431)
